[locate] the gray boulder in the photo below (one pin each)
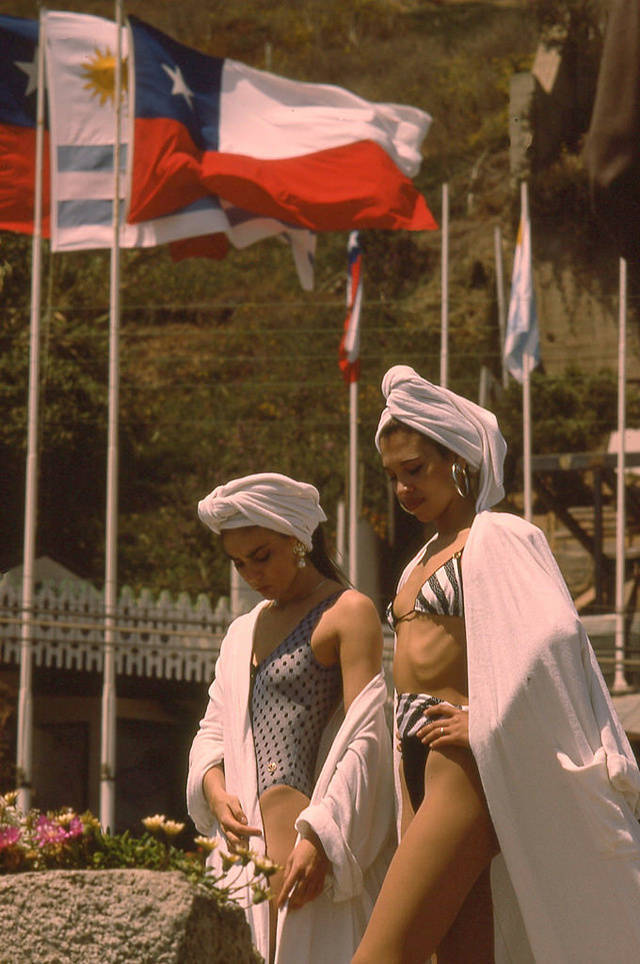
(117, 916)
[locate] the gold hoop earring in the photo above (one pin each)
(300, 551)
(460, 476)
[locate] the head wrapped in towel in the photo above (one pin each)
(267, 499)
(461, 426)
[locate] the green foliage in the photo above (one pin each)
(227, 367)
(572, 15)
(63, 839)
(574, 412)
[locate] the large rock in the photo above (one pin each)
(117, 916)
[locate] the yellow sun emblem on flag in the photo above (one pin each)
(100, 75)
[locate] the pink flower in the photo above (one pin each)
(49, 832)
(74, 829)
(9, 836)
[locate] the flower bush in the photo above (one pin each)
(65, 839)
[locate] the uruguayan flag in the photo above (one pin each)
(81, 56)
(522, 338)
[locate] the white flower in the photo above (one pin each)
(64, 819)
(154, 823)
(172, 828)
(264, 865)
(207, 843)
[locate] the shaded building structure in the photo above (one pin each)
(165, 658)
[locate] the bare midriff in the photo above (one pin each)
(431, 657)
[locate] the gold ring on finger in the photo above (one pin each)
(442, 731)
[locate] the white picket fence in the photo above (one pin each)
(158, 637)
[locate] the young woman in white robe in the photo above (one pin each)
(333, 835)
(521, 843)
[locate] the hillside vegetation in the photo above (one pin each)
(229, 367)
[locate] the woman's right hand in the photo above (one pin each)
(233, 822)
(227, 810)
(446, 725)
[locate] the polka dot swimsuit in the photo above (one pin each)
(292, 699)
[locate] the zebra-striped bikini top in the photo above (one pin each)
(440, 595)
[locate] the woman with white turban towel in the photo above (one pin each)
(517, 789)
(292, 759)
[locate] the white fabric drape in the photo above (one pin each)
(351, 808)
(560, 778)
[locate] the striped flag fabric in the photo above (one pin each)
(81, 51)
(312, 155)
(18, 92)
(522, 335)
(349, 353)
(245, 229)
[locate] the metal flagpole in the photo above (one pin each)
(109, 702)
(349, 363)
(340, 534)
(619, 682)
(527, 365)
(353, 483)
(502, 324)
(483, 387)
(444, 313)
(526, 433)
(24, 755)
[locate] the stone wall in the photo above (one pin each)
(117, 916)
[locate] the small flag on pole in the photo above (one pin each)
(522, 337)
(350, 344)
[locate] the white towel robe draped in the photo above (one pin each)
(351, 808)
(559, 775)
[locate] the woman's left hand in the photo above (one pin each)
(304, 874)
(446, 725)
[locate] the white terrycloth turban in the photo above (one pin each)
(453, 421)
(267, 499)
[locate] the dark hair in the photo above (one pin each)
(321, 559)
(394, 425)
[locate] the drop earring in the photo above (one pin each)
(300, 552)
(460, 476)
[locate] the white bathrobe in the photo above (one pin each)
(559, 775)
(351, 808)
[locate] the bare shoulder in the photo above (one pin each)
(352, 611)
(355, 622)
(352, 604)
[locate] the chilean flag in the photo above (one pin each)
(349, 356)
(18, 92)
(311, 155)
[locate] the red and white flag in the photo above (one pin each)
(81, 62)
(18, 91)
(350, 345)
(314, 156)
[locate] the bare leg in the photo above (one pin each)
(407, 813)
(280, 806)
(445, 849)
(470, 937)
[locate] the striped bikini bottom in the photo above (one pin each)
(410, 719)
